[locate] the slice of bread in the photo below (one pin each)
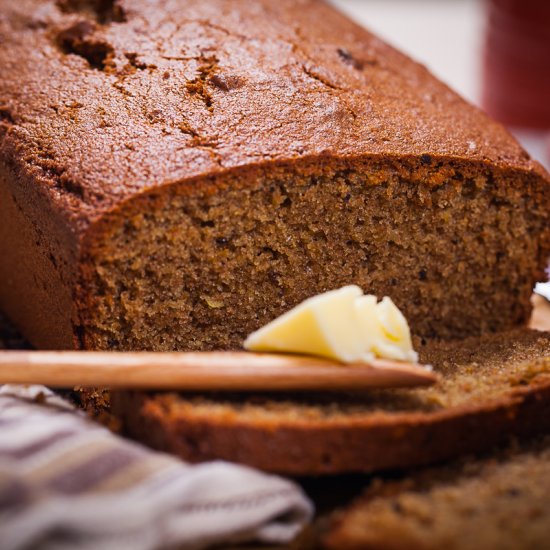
(492, 387)
(499, 502)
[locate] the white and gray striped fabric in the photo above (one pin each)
(66, 482)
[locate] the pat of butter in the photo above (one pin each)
(343, 324)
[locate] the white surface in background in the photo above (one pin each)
(444, 35)
(543, 289)
(536, 142)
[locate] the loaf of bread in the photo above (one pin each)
(491, 387)
(175, 174)
(499, 502)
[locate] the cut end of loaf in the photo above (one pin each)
(457, 247)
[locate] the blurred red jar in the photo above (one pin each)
(516, 69)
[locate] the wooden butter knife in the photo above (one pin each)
(211, 371)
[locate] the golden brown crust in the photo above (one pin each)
(156, 96)
(37, 268)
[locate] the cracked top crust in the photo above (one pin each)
(103, 99)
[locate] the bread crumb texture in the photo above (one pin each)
(500, 502)
(204, 271)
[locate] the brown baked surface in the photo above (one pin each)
(496, 502)
(492, 387)
(175, 174)
(137, 94)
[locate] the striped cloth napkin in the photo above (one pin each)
(66, 482)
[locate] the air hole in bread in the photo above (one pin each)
(79, 39)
